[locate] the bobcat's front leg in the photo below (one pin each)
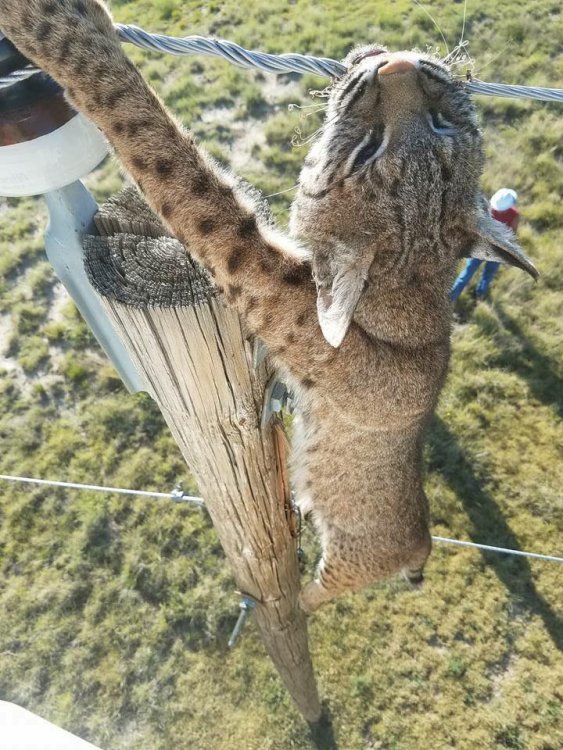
(264, 274)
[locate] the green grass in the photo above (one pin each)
(115, 613)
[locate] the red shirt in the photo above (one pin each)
(509, 217)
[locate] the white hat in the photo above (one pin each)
(504, 199)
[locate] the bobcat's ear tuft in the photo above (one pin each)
(495, 241)
(335, 306)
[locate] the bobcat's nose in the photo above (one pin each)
(399, 65)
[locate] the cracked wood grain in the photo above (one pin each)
(197, 364)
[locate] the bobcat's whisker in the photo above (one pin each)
(463, 24)
(431, 17)
(321, 93)
(293, 105)
(315, 134)
(459, 51)
(305, 115)
(492, 60)
(281, 192)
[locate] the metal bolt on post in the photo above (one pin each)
(247, 604)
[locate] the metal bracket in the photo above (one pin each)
(70, 214)
(179, 496)
(275, 398)
(259, 352)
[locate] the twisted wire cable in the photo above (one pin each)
(515, 92)
(284, 63)
(296, 63)
(234, 53)
(17, 75)
(179, 496)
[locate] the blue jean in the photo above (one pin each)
(491, 267)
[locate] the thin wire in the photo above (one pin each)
(502, 550)
(293, 62)
(179, 496)
(176, 495)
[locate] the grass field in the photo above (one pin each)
(115, 613)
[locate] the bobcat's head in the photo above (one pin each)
(393, 180)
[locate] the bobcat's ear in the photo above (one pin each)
(495, 241)
(335, 306)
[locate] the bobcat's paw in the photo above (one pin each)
(415, 578)
(312, 596)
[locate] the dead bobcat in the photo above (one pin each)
(389, 200)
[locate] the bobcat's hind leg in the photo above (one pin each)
(413, 571)
(415, 578)
(332, 579)
(313, 595)
(341, 570)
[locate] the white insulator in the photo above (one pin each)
(22, 730)
(51, 161)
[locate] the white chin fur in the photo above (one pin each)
(304, 503)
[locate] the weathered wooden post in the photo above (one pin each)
(192, 351)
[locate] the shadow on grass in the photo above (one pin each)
(489, 526)
(322, 732)
(525, 359)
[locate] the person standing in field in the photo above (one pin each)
(503, 208)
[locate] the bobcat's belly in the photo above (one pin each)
(355, 479)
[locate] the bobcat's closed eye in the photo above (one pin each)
(439, 124)
(371, 147)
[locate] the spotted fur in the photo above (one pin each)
(400, 222)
